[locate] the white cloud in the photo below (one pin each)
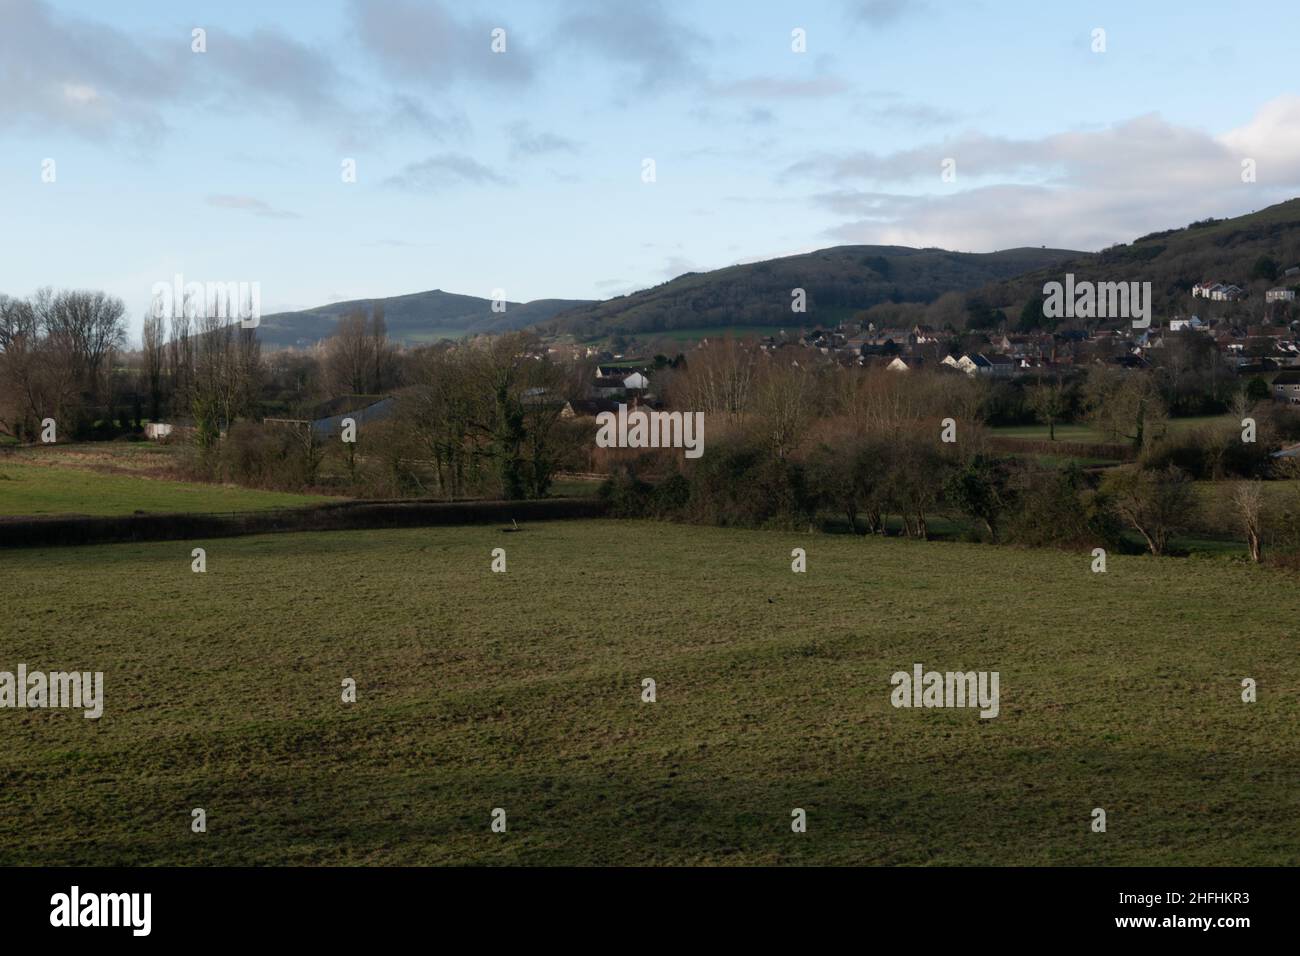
(1078, 189)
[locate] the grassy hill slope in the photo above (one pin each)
(838, 282)
(1174, 260)
(412, 319)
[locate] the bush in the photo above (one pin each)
(1198, 453)
(626, 496)
(268, 456)
(1211, 453)
(739, 484)
(1055, 508)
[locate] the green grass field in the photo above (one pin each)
(1087, 433)
(28, 488)
(721, 331)
(522, 691)
(825, 318)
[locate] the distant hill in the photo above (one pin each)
(412, 319)
(843, 280)
(1173, 260)
(838, 281)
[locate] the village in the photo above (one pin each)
(1240, 344)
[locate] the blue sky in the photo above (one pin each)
(523, 171)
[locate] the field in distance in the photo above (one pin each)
(1087, 433)
(523, 691)
(111, 478)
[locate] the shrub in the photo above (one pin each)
(738, 484)
(1156, 504)
(1055, 508)
(626, 496)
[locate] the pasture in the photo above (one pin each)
(523, 691)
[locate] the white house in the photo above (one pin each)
(636, 381)
(157, 430)
(1279, 295)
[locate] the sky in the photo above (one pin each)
(128, 156)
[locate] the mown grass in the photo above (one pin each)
(1083, 432)
(29, 488)
(522, 691)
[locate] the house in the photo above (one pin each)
(973, 364)
(157, 430)
(899, 337)
(1218, 291)
(1192, 324)
(618, 371)
(636, 382)
(1279, 295)
(1001, 366)
(900, 364)
(608, 386)
(1022, 346)
(1286, 387)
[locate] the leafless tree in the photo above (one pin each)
(784, 398)
(719, 380)
(153, 352)
(349, 356)
(1248, 500)
(87, 327)
(1156, 504)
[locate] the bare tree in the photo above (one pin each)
(349, 356)
(40, 372)
(1248, 500)
(180, 356)
(380, 348)
(719, 380)
(87, 327)
(153, 351)
(1125, 405)
(783, 401)
(1156, 504)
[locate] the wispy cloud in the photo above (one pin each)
(644, 38)
(783, 87)
(883, 13)
(427, 45)
(270, 68)
(526, 141)
(443, 171)
(250, 204)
